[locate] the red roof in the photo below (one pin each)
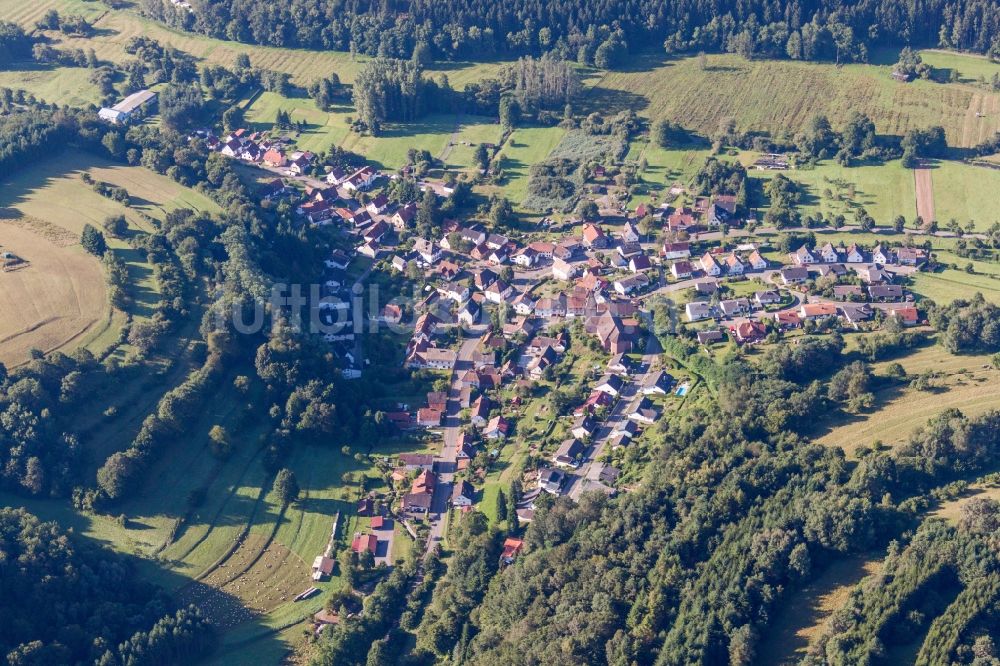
(424, 483)
(363, 542)
(378, 522)
(906, 313)
(592, 232)
(511, 548)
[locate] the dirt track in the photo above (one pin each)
(925, 193)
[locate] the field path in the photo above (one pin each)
(925, 193)
(446, 151)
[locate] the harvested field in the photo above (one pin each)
(260, 574)
(55, 299)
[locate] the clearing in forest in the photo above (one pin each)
(800, 618)
(966, 383)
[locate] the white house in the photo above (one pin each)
(563, 270)
(629, 233)
(698, 310)
(757, 261)
(710, 265)
(427, 250)
(681, 269)
(681, 250)
(829, 254)
(881, 255)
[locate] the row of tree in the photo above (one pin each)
(598, 33)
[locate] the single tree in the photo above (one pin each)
(93, 241)
(286, 486)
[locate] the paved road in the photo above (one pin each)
(445, 462)
(589, 472)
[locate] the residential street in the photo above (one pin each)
(444, 464)
(588, 474)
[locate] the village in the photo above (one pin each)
(496, 313)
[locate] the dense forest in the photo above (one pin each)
(65, 602)
(599, 33)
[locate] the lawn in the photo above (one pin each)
(948, 284)
(323, 129)
(665, 166)
(884, 190)
(388, 150)
(782, 96)
(56, 85)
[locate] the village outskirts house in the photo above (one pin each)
(122, 112)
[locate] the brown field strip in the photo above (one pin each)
(925, 193)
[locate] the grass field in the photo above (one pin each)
(56, 85)
(60, 301)
(782, 96)
(239, 554)
(949, 284)
(800, 618)
(970, 67)
(965, 193)
(389, 149)
(884, 190)
(525, 147)
(966, 385)
(116, 27)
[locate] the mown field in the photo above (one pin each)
(59, 300)
(449, 137)
(525, 147)
(55, 300)
(967, 383)
(965, 193)
(782, 96)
